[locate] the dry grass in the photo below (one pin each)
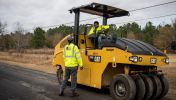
(34, 51)
(40, 59)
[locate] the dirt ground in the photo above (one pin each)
(43, 62)
(170, 73)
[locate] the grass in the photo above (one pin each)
(39, 59)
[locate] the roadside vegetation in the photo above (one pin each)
(37, 47)
(160, 36)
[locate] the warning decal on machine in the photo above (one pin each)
(94, 59)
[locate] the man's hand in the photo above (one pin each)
(81, 68)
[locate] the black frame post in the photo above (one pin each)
(104, 20)
(76, 26)
(104, 15)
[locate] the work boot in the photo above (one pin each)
(61, 93)
(74, 93)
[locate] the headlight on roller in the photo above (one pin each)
(153, 60)
(166, 60)
(133, 59)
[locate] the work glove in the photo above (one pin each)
(81, 68)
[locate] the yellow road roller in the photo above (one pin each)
(129, 68)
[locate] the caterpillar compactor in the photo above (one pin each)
(129, 68)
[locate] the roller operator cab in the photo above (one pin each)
(129, 68)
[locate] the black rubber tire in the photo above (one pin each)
(165, 86)
(129, 84)
(157, 87)
(140, 87)
(148, 87)
(59, 75)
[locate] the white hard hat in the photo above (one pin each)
(70, 38)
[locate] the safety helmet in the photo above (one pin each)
(70, 38)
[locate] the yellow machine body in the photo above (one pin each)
(108, 62)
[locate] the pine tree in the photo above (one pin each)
(38, 38)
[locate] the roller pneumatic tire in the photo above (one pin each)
(157, 87)
(123, 87)
(140, 87)
(60, 76)
(165, 86)
(148, 86)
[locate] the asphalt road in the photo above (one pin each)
(18, 83)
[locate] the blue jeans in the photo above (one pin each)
(70, 71)
(100, 37)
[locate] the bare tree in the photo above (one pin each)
(18, 37)
(131, 35)
(164, 38)
(174, 26)
(2, 39)
(52, 40)
(3, 26)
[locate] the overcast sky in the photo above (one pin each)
(34, 13)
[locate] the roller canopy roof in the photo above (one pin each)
(101, 10)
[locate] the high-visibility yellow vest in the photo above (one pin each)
(102, 27)
(72, 57)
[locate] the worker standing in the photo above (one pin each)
(72, 60)
(97, 33)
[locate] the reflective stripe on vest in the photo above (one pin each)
(72, 56)
(77, 52)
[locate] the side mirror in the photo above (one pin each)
(173, 45)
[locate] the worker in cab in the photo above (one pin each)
(72, 60)
(97, 33)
